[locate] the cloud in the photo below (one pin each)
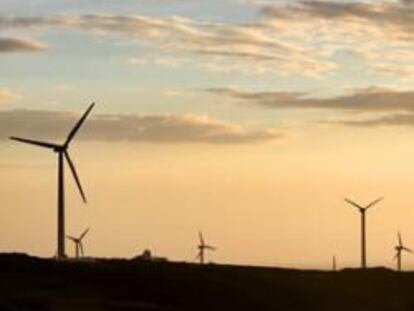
(395, 14)
(306, 38)
(133, 128)
(380, 33)
(249, 45)
(157, 60)
(11, 45)
(373, 99)
(370, 107)
(376, 106)
(8, 95)
(384, 121)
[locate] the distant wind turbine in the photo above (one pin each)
(334, 263)
(400, 248)
(63, 154)
(79, 251)
(202, 247)
(362, 210)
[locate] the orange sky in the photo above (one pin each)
(248, 120)
(273, 204)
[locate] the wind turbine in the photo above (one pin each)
(363, 210)
(400, 248)
(202, 247)
(78, 243)
(63, 154)
(334, 263)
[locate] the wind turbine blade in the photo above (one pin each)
(71, 238)
(84, 233)
(407, 249)
(212, 248)
(200, 235)
(374, 202)
(353, 203)
(35, 142)
(400, 243)
(78, 125)
(75, 176)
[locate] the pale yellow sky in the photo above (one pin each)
(270, 204)
(249, 120)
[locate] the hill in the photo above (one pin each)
(28, 283)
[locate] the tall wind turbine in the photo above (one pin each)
(63, 154)
(202, 247)
(363, 210)
(400, 248)
(79, 251)
(334, 268)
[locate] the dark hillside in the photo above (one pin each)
(29, 283)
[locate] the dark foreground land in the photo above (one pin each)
(28, 283)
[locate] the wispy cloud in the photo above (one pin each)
(163, 61)
(369, 107)
(393, 17)
(401, 119)
(288, 37)
(13, 45)
(7, 95)
(249, 45)
(374, 99)
(379, 32)
(132, 128)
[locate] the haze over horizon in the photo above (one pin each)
(248, 120)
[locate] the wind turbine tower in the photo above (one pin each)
(62, 155)
(79, 251)
(202, 247)
(399, 249)
(363, 210)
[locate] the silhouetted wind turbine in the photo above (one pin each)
(62, 152)
(362, 210)
(400, 248)
(202, 247)
(334, 263)
(78, 243)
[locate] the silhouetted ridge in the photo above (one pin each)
(30, 283)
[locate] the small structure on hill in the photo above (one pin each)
(147, 256)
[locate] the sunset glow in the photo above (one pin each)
(249, 120)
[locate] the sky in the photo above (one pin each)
(249, 120)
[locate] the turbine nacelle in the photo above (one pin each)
(361, 208)
(58, 149)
